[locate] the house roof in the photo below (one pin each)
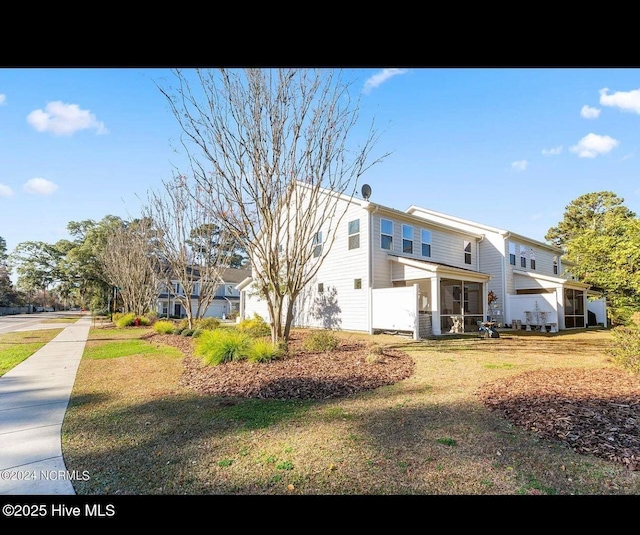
(439, 267)
(505, 233)
(556, 280)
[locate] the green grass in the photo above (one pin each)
(18, 346)
(122, 348)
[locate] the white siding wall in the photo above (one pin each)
(492, 259)
(447, 247)
(340, 305)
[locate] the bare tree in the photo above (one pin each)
(253, 137)
(130, 264)
(180, 216)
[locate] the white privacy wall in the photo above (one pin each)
(395, 309)
(546, 303)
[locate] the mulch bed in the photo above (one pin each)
(592, 411)
(302, 375)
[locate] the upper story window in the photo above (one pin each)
(386, 234)
(425, 237)
(320, 287)
(512, 253)
(532, 258)
(407, 239)
(467, 252)
(196, 288)
(555, 265)
(317, 244)
(229, 289)
(354, 234)
(523, 256)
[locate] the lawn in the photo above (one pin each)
(137, 429)
(17, 346)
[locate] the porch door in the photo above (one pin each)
(460, 301)
(573, 308)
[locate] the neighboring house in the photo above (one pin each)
(225, 302)
(426, 273)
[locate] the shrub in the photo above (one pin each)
(625, 349)
(263, 350)
(186, 332)
(124, 320)
(222, 345)
(255, 327)
(163, 326)
(208, 324)
(197, 332)
(177, 330)
(323, 340)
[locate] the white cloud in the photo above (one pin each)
(625, 100)
(381, 77)
(589, 113)
(5, 191)
(554, 151)
(39, 186)
(64, 119)
(3, 99)
(592, 144)
(519, 165)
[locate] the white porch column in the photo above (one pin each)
(435, 305)
(416, 321)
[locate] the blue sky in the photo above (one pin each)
(505, 147)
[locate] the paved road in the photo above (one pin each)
(25, 322)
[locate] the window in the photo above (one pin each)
(425, 237)
(357, 284)
(229, 289)
(555, 265)
(354, 234)
(523, 256)
(386, 234)
(320, 287)
(317, 244)
(196, 288)
(512, 254)
(467, 252)
(407, 239)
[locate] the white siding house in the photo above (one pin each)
(390, 271)
(529, 278)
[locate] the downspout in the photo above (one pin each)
(485, 285)
(505, 252)
(370, 240)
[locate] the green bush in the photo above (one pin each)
(625, 348)
(323, 340)
(163, 326)
(208, 324)
(177, 330)
(124, 320)
(255, 327)
(263, 350)
(186, 332)
(222, 345)
(197, 332)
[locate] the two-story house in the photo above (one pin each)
(530, 279)
(389, 270)
(426, 273)
(225, 302)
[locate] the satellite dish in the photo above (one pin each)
(366, 191)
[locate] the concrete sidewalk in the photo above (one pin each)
(33, 399)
